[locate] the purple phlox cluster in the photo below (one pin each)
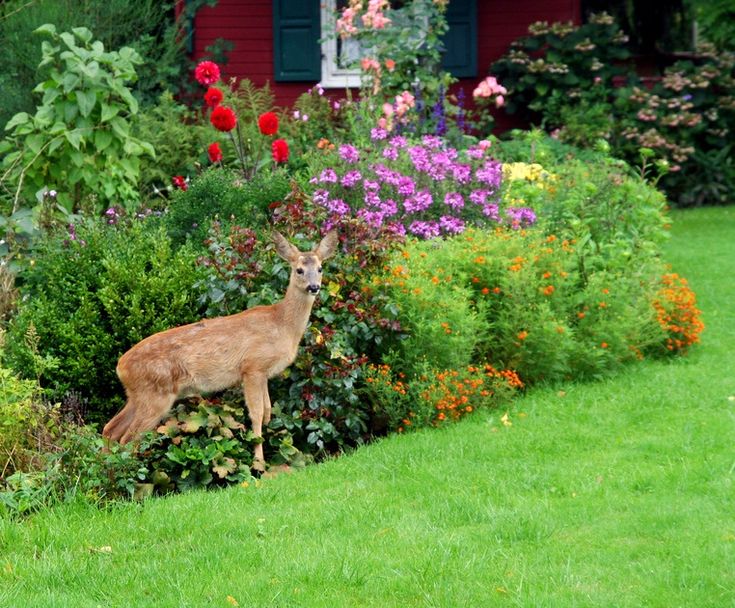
(451, 225)
(454, 200)
(520, 217)
(425, 230)
(406, 186)
(491, 211)
(328, 176)
(420, 158)
(351, 178)
(461, 173)
(420, 202)
(349, 153)
(491, 173)
(378, 134)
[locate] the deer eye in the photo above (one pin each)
(299, 271)
(319, 269)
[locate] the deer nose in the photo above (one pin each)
(313, 289)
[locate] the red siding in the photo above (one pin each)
(249, 25)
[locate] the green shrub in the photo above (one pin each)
(220, 194)
(556, 64)
(90, 296)
(199, 445)
(78, 143)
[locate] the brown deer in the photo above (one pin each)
(214, 354)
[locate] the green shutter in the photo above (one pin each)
(296, 32)
(460, 42)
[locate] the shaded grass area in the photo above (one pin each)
(615, 493)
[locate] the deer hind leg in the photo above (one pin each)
(254, 389)
(138, 416)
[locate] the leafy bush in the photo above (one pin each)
(198, 446)
(219, 193)
(555, 64)
(148, 26)
(90, 296)
(78, 143)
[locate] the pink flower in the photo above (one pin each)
(488, 88)
(206, 73)
(404, 102)
(499, 101)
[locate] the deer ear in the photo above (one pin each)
(328, 245)
(285, 249)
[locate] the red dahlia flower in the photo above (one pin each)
(179, 182)
(268, 123)
(206, 73)
(223, 118)
(214, 152)
(213, 97)
(279, 148)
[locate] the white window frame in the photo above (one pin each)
(334, 76)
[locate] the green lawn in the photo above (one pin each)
(617, 493)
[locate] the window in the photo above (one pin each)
(299, 25)
(337, 54)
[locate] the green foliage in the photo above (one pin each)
(78, 142)
(148, 26)
(218, 193)
(687, 119)
(198, 446)
(555, 64)
(716, 22)
(93, 294)
(180, 144)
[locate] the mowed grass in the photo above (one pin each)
(614, 493)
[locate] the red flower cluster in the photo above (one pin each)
(213, 97)
(268, 123)
(214, 152)
(179, 182)
(279, 149)
(223, 118)
(206, 73)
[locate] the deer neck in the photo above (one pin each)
(295, 309)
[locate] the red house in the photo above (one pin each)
(278, 41)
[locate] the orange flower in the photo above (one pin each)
(485, 291)
(522, 335)
(604, 345)
(548, 290)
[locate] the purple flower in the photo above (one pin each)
(420, 158)
(479, 196)
(378, 134)
(351, 178)
(396, 228)
(390, 153)
(349, 153)
(371, 185)
(431, 141)
(406, 186)
(462, 173)
(491, 210)
(451, 225)
(389, 207)
(426, 230)
(372, 218)
(320, 197)
(520, 217)
(328, 176)
(454, 200)
(421, 202)
(399, 142)
(490, 173)
(338, 206)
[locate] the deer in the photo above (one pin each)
(246, 348)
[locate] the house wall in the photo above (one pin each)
(249, 25)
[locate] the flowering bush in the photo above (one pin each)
(677, 313)
(251, 136)
(687, 119)
(436, 397)
(425, 188)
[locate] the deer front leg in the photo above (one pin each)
(254, 387)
